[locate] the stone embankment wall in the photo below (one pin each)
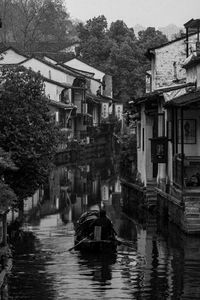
(185, 213)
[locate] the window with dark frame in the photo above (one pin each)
(189, 131)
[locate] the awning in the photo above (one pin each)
(92, 100)
(174, 94)
(185, 100)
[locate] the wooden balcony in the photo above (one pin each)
(190, 173)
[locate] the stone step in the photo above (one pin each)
(193, 221)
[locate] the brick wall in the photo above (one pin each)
(168, 61)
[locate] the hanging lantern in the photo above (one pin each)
(159, 149)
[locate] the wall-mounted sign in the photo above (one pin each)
(159, 149)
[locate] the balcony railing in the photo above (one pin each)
(190, 172)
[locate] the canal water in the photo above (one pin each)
(160, 263)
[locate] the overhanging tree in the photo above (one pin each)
(26, 130)
(7, 195)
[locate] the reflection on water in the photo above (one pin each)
(162, 262)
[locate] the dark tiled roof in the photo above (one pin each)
(56, 82)
(150, 51)
(79, 72)
(4, 49)
(192, 23)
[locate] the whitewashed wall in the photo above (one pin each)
(141, 154)
(77, 64)
(53, 91)
(94, 86)
(11, 57)
(48, 71)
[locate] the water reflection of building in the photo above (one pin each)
(32, 202)
(73, 189)
(110, 190)
(168, 259)
(84, 186)
(183, 262)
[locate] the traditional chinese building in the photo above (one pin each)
(168, 129)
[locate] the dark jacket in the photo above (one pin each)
(106, 227)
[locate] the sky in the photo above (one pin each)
(154, 13)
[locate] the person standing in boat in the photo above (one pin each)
(103, 228)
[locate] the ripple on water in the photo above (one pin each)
(47, 270)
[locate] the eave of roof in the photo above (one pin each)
(48, 56)
(112, 99)
(15, 50)
(10, 65)
(92, 99)
(61, 105)
(185, 100)
(148, 97)
(151, 51)
(70, 70)
(56, 67)
(102, 98)
(80, 74)
(76, 70)
(57, 83)
(159, 93)
(85, 64)
(192, 23)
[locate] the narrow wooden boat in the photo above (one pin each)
(86, 240)
(89, 245)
